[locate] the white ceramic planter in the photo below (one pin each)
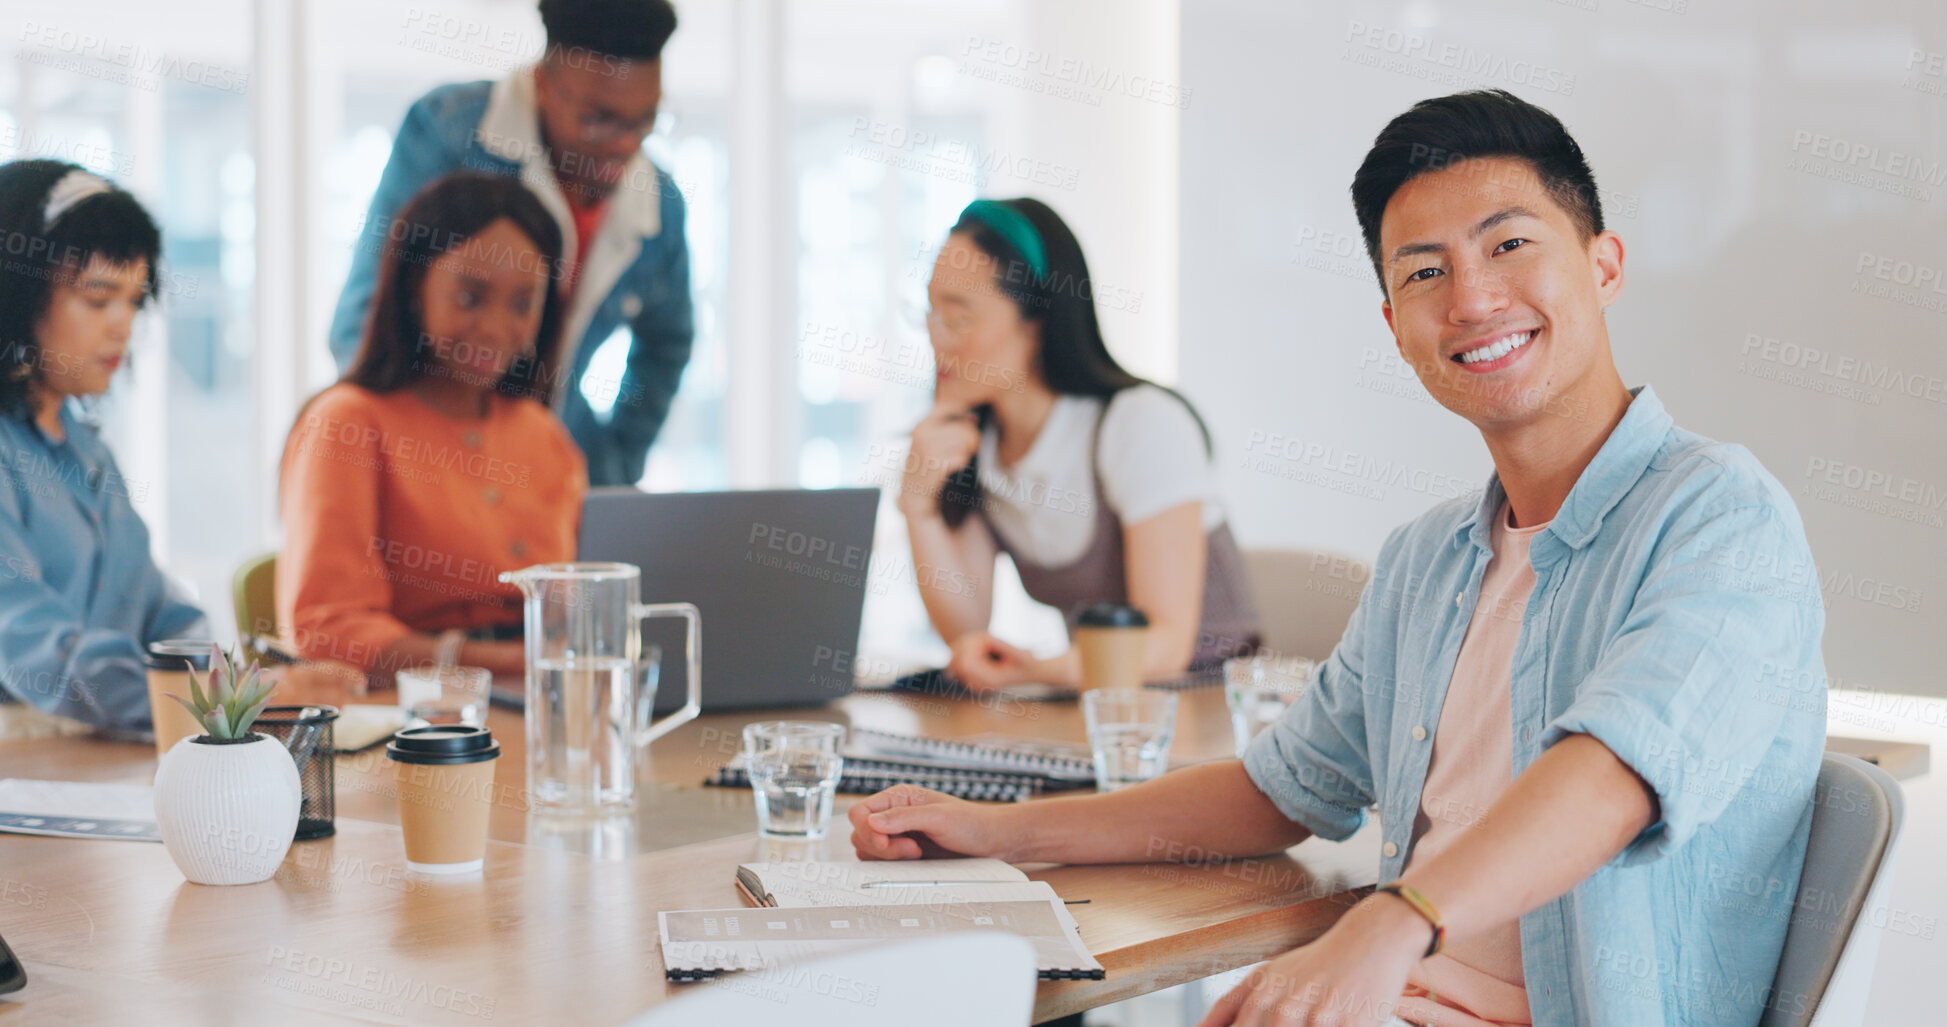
(227, 811)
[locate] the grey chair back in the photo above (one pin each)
(1826, 968)
(1305, 597)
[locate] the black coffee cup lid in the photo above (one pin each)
(443, 744)
(1112, 615)
(180, 654)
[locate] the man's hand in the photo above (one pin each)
(1352, 976)
(983, 662)
(910, 822)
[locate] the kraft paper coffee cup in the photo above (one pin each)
(170, 662)
(445, 777)
(1110, 637)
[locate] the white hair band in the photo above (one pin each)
(75, 186)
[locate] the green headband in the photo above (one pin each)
(1013, 226)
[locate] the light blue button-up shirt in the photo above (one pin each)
(80, 596)
(1676, 618)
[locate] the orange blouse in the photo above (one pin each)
(400, 519)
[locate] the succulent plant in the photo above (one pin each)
(228, 706)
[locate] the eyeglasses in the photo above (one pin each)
(952, 326)
(598, 125)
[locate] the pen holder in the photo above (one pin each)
(306, 733)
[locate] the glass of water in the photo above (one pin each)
(794, 769)
(1258, 689)
(1129, 731)
(445, 695)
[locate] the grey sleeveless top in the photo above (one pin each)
(1228, 626)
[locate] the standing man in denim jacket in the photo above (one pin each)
(571, 128)
(1589, 702)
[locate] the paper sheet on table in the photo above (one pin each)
(78, 809)
(852, 883)
(361, 726)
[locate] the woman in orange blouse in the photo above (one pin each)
(434, 465)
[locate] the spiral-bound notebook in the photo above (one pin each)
(990, 769)
(1057, 762)
(811, 909)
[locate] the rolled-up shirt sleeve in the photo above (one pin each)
(1693, 689)
(1315, 762)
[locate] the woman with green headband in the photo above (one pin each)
(1098, 484)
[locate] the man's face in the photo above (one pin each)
(1494, 298)
(595, 112)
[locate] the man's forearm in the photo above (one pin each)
(1569, 813)
(1213, 806)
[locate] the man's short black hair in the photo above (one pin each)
(635, 29)
(1439, 133)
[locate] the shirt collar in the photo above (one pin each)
(511, 130)
(1053, 448)
(71, 423)
(1617, 466)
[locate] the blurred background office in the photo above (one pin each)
(1778, 173)
(823, 149)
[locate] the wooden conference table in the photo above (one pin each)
(561, 925)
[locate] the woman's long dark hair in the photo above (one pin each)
(438, 220)
(1073, 359)
(35, 257)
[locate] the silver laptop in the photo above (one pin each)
(779, 576)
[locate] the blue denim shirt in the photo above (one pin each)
(491, 127)
(80, 596)
(1676, 618)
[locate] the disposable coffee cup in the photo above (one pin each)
(445, 776)
(170, 662)
(1110, 637)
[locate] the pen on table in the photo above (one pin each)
(936, 884)
(921, 884)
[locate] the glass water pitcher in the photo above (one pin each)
(590, 686)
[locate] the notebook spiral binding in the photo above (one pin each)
(861, 778)
(973, 754)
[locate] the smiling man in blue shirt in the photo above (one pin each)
(1659, 761)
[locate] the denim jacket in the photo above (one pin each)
(637, 272)
(1676, 618)
(80, 597)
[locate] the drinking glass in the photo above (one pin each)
(794, 768)
(1258, 689)
(1129, 733)
(445, 696)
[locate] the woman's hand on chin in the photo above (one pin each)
(944, 441)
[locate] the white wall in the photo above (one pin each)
(1704, 127)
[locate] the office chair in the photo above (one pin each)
(1305, 597)
(254, 592)
(1826, 970)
